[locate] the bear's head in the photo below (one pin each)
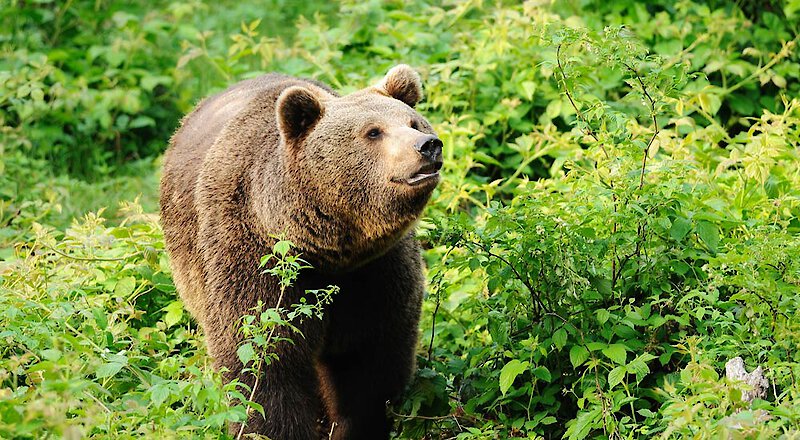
(363, 165)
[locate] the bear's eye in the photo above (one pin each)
(374, 133)
(414, 125)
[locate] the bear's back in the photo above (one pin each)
(200, 128)
(183, 162)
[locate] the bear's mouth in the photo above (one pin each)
(421, 177)
(426, 173)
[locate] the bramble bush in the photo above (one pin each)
(619, 215)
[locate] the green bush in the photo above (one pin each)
(87, 84)
(94, 343)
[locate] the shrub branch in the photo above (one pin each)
(591, 133)
(652, 103)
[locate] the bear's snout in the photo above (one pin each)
(430, 147)
(426, 170)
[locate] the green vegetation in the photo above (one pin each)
(619, 215)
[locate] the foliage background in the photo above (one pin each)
(620, 213)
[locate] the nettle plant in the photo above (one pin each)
(606, 300)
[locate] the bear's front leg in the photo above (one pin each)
(370, 342)
(357, 386)
(287, 388)
(288, 393)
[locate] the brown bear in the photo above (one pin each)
(345, 178)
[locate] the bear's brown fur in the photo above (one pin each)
(345, 179)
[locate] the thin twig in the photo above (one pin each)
(642, 226)
(440, 277)
(656, 130)
(433, 326)
(688, 49)
(433, 418)
(330, 434)
(98, 401)
(785, 51)
(524, 280)
(578, 112)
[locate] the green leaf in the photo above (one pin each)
(645, 357)
(644, 412)
(481, 156)
(51, 354)
(174, 313)
(709, 233)
(596, 345)
(680, 227)
(246, 353)
(601, 284)
(100, 317)
(578, 355)
(498, 326)
(553, 108)
(680, 267)
(256, 406)
(125, 286)
(281, 248)
(616, 376)
(616, 352)
(579, 428)
(527, 89)
(543, 373)
(159, 393)
(735, 394)
(560, 338)
(602, 315)
(474, 264)
(510, 372)
(38, 94)
(109, 369)
(645, 310)
(142, 121)
(709, 102)
(149, 82)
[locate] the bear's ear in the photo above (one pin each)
(402, 83)
(298, 110)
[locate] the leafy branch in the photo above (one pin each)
(652, 104)
(594, 136)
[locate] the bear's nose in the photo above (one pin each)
(430, 147)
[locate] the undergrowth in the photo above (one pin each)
(619, 214)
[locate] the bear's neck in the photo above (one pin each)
(288, 209)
